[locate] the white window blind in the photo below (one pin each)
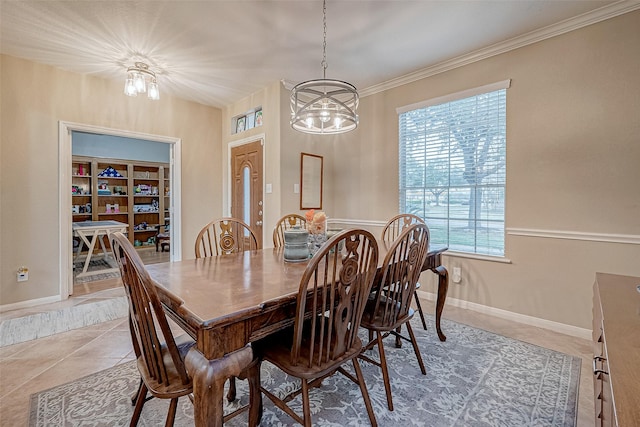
(452, 170)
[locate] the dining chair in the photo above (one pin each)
(287, 222)
(392, 229)
(225, 236)
(389, 306)
(160, 356)
(333, 292)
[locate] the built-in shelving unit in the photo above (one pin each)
(132, 192)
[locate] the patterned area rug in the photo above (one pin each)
(97, 264)
(475, 378)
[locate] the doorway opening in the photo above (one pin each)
(66, 132)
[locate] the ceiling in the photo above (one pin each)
(217, 52)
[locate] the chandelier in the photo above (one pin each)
(324, 106)
(136, 82)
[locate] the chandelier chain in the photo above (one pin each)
(324, 106)
(324, 43)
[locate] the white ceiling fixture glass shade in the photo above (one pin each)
(324, 106)
(136, 81)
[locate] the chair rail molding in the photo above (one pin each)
(356, 222)
(630, 239)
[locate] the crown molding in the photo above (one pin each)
(580, 21)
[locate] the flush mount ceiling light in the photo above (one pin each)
(136, 82)
(324, 105)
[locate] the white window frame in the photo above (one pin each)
(442, 222)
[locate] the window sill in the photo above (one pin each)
(480, 257)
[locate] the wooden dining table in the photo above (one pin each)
(227, 302)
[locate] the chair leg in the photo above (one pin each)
(171, 416)
(142, 394)
(134, 398)
(255, 395)
(306, 406)
(416, 349)
(231, 395)
(424, 323)
(397, 335)
(365, 393)
(385, 371)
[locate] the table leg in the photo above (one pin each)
(80, 246)
(208, 378)
(443, 287)
(101, 238)
(90, 245)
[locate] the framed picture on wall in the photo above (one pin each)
(311, 169)
(240, 124)
(250, 121)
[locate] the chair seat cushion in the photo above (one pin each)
(276, 348)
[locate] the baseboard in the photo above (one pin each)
(29, 303)
(562, 328)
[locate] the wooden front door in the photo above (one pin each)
(247, 190)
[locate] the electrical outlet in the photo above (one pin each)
(457, 275)
(22, 274)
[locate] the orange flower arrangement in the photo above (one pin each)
(316, 222)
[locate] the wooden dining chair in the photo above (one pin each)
(225, 236)
(392, 229)
(332, 295)
(389, 306)
(160, 356)
(287, 222)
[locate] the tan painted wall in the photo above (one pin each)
(35, 98)
(573, 164)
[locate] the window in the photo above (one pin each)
(452, 167)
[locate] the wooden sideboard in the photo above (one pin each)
(616, 348)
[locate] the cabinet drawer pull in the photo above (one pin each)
(598, 371)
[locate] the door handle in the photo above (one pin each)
(258, 223)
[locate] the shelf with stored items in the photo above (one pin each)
(81, 189)
(148, 204)
(127, 191)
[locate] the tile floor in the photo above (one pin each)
(32, 366)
